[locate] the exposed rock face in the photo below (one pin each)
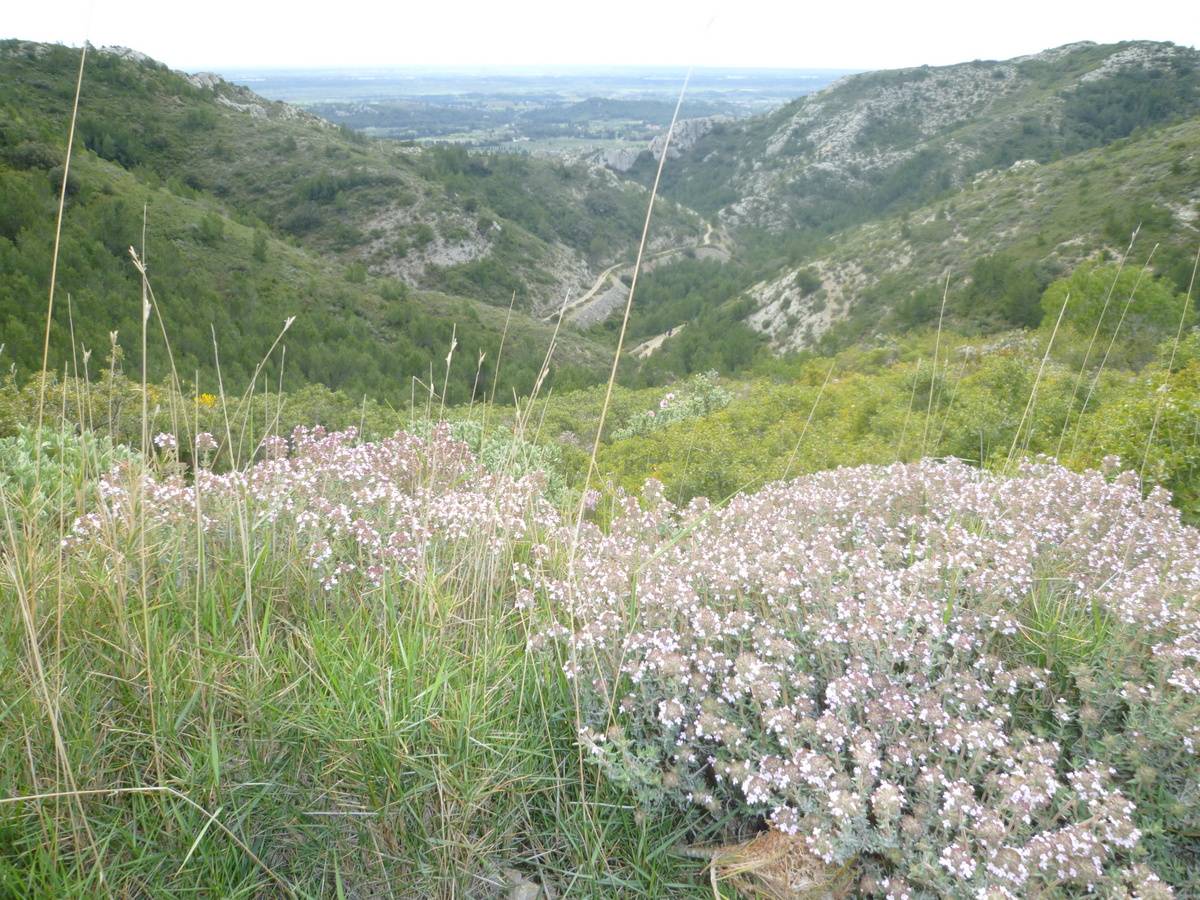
(231, 95)
(866, 124)
(685, 135)
(687, 132)
(620, 159)
(873, 139)
(793, 318)
(863, 127)
(246, 101)
(30, 49)
(1139, 56)
(127, 53)
(458, 239)
(1002, 209)
(602, 305)
(208, 81)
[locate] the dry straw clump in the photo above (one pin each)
(944, 678)
(774, 866)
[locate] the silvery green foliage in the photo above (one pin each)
(69, 464)
(859, 656)
(501, 450)
(698, 396)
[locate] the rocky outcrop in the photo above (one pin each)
(1002, 211)
(684, 137)
(1139, 56)
(793, 316)
(619, 159)
(865, 128)
(127, 53)
(244, 100)
(206, 81)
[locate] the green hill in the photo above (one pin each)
(844, 211)
(217, 277)
(888, 140)
(217, 270)
(1000, 239)
(442, 218)
(256, 212)
(849, 207)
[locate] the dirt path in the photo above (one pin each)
(602, 281)
(608, 279)
(647, 348)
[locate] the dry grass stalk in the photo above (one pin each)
(774, 866)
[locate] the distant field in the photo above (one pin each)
(558, 111)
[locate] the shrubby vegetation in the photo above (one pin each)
(982, 400)
(698, 396)
(716, 339)
(603, 224)
(680, 291)
(1094, 113)
(291, 174)
(364, 335)
(1108, 303)
(271, 722)
(948, 683)
(364, 607)
(46, 473)
(699, 300)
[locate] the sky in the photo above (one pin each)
(850, 34)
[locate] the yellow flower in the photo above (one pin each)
(206, 400)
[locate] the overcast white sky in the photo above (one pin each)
(222, 34)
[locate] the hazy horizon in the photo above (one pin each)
(754, 35)
(533, 68)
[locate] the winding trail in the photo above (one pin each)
(612, 275)
(647, 348)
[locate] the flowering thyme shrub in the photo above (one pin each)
(500, 449)
(354, 513)
(698, 396)
(962, 684)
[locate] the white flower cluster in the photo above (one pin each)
(353, 511)
(960, 683)
(865, 658)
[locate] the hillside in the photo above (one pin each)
(217, 278)
(872, 572)
(1000, 239)
(219, 269)
(483, 226)
(843, 211)
(879, 141)
(848, 209)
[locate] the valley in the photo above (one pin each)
(868, 199)
(610, 288)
